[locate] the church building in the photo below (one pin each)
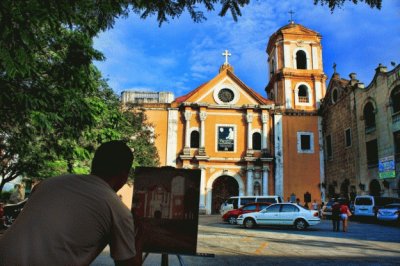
(245, 143)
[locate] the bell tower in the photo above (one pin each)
(297, 85)
(297, 78)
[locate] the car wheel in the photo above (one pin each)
(249, 223)
(300, 224)
(8, 221)
(232, 220)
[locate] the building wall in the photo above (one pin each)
(301, 170)
(377, 92)
(338, 116)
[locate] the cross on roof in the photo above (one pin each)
(291, 12)
(226, 54)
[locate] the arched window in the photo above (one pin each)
(369, 117)
(334, 96)
(395, 99)
(256, 141)
(194, 139)
(301, 60)
(303, 94)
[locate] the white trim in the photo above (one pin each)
(193, 129)
(318, 92)
(278, 155)
(288, 93)
(301, 133)
(224, 159)
(286, 55)
(314, 52)
(236, 94)
(203, 191)
(309, 93)
(172, 137)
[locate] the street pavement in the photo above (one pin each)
(363, 244)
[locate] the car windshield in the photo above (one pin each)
(392, 206)
(363, 201)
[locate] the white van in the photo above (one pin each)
(369, 205)
(239, 201)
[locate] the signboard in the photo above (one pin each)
(387, 167)
(226, 138)
(165, 206)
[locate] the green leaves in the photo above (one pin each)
(332, 4)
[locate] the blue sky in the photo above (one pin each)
(181, 55)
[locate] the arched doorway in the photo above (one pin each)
(374, 188)
(223, 187)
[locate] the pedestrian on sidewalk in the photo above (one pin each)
(336, 216)
(344, 216)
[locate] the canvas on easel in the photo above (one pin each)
(166, 206)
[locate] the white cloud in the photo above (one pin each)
(181, 54)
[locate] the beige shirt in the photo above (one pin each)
(68, 220)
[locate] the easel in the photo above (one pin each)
(164, 257)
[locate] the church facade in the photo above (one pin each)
(243, 142)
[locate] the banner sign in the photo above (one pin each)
(226, 138)
(387, 167)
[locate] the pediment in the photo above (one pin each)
(225, 89)
(297, 29)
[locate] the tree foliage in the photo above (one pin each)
(332, 4)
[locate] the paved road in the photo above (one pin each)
(364, 244)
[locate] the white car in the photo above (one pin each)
(281, 214)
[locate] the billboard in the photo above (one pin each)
(165, 205)
(387, 167)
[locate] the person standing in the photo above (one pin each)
(315, 205)
(75, 216)
(336, 216)
(344, 216)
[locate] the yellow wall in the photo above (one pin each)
(301, 170)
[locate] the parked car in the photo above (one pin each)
(327, 209)
(11, 211)
(389, 213)
(239, 201)
(368, 206)
(280, 214)
(230, 216)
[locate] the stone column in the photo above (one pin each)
(249, 118)
(188, 115)
(264, 142)
(209, 199)
(202, 203)
(249, 182)
(172, 137)
(203, 116)
(265, 181)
